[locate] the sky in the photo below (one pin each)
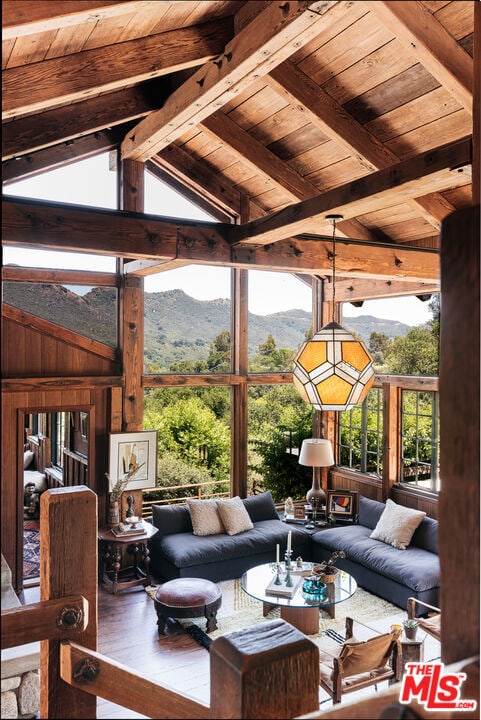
(90, 182)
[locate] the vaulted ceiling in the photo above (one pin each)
(277, 113)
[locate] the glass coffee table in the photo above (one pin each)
(301, 610)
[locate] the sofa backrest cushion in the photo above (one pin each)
(369, 512)
(170, 519)
(261, 507)
(426, 535)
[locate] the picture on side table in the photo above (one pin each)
(342, 504)
(133, 453)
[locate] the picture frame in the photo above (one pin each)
(342, 504)
(128, 450)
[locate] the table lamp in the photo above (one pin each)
(316, 453)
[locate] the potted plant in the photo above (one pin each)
(326, 571)
(410, 628)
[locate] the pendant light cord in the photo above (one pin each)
(334, 219)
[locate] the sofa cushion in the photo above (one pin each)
(234, 516)
(426, 535)
(205, 517)
(183, 550)
(369, 512)
(261, 507)
(397, 524)
(171, 519)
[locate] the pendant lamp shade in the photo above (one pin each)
(333, 371)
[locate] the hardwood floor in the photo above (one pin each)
(127, 633)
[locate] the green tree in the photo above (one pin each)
(219, 359)
(415, 354)
(267, 347)
(379, 344)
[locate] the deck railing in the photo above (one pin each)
(201, 492)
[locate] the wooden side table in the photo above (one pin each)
(412, 651)
(115, 577)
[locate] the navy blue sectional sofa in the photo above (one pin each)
(377, 567)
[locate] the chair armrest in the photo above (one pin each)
(411, 609)
(349, 627)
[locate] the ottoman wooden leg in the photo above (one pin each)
(210, 614)
(161, 622)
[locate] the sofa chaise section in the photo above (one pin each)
(380, 568)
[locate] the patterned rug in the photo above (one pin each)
(31, 549)
(239, 610)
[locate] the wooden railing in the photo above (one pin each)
(200, 493)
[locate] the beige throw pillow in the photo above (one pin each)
(397, 524)
(234, 516)
(205, 517)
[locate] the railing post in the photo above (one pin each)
(269, 670)
(68, 566)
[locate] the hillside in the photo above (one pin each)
(177, 326)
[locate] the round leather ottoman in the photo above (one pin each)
(187, 598)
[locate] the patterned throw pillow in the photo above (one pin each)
(234, 515)
(205, 517)
(397, 524)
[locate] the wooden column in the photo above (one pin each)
(266, 671)
(132, 308)
(390, 413)
(68, 566)
(460, 425)
(477, 106)
(239, 392)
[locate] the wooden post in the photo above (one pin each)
(265, 671)
(68, 566)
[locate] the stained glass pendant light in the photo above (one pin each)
(334, 370)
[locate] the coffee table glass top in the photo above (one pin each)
(254, 582)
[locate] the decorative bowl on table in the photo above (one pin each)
(313, 585)
(326, 573)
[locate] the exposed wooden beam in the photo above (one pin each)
(151, 267)
(12, 273)
(63, 80)
(107, 232)
(269, 39)
(206, 187)
(23, 17)
(31, 133)
(335, 122)
(60, 155)
(417, 28)
(409, 179)
(357, 289)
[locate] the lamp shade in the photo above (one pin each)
(316, 452)
(334, 370)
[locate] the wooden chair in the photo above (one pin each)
(360, 663)
(431, 624)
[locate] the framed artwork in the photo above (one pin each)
(133, 451)
(342, 504)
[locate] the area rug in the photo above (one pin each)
(239, 610)
(31, 549)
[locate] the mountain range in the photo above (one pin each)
(177, 326)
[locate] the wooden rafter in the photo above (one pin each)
(405, 180)
(271, 37)
(59, 81)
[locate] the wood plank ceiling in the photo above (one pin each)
(276, 112)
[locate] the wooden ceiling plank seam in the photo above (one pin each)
(267, 41)
(127, 63)
(439, 52)
(93, 230)
(69, 40)
(29, 50)
(405, 180)
(23, 17)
